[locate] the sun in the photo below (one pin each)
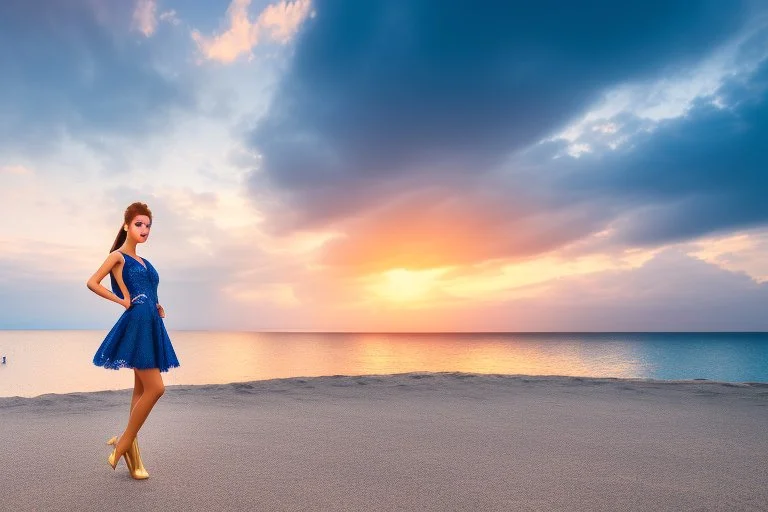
(403, 285)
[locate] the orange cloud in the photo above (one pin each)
(433, 229)
(278, 22)
(738, 252)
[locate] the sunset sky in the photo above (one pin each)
(396, 165)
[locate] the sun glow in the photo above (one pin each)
(403, 285)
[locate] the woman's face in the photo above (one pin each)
(138, 229)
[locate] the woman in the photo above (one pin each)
(138, 339)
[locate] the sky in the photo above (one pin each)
(329, 165)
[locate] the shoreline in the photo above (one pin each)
(9, 401)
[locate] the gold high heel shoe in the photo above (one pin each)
(137, 471)
(111, 460)
(140, 470)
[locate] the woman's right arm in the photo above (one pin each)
(94, 283)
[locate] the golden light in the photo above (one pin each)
(403, 285)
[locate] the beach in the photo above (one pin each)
(412, 441)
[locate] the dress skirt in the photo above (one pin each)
(137, 340)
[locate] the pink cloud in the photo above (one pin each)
(277, 22)
(144, 16)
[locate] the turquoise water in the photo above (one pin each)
(39, 362)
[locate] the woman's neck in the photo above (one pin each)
(129, 248)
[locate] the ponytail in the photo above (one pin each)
(119, 239)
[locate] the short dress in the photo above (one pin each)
(138, 339)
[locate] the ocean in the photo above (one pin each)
(47, 361)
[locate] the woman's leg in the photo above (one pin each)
(154, 388)
(138, 389)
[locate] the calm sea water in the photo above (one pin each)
(39, 362)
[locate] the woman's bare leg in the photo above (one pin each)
(138, 389)
(154, 388)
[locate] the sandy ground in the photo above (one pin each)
(415, 441)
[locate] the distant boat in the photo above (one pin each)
(3, 359)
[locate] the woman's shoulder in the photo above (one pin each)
(117, 256)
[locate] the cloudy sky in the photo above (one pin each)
(439, 165)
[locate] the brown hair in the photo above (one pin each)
(132, 211)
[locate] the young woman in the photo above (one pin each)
(138, 339)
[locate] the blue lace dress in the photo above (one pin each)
(138, 339)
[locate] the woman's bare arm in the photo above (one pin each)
(94, 283)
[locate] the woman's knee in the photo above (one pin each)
(153, 383)
(156, 391)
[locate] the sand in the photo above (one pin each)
(414, 441)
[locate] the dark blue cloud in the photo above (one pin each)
(75, 66)
(381, 89)
(701, 173)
